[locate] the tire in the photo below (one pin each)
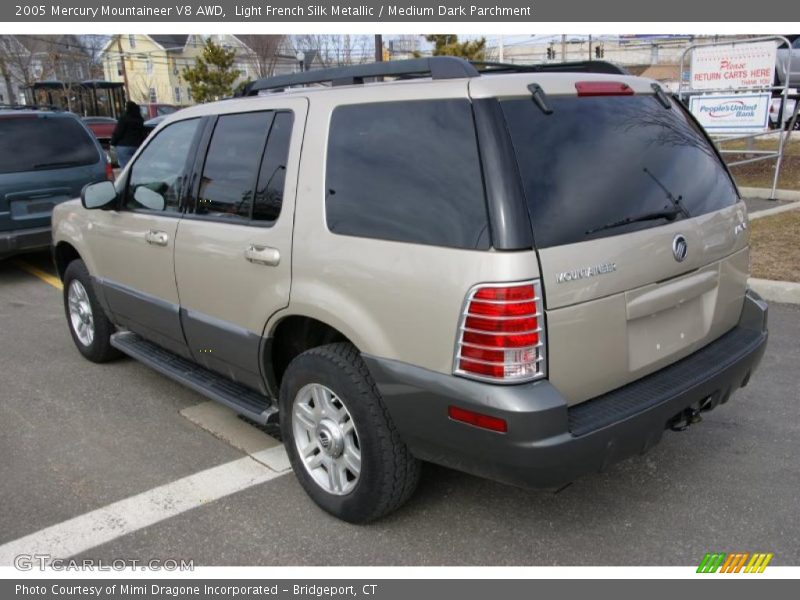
(81, 308)
(387, 472)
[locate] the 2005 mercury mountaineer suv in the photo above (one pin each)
(525, 273)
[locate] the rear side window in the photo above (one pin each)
(41, 142)
(272, 178)
(596, 161)
(229, 175)
(408, 172)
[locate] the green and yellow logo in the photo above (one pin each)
(735, 562)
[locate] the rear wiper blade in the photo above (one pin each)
(661, 96)
(668, 214)
(55, 165)
(676, 202)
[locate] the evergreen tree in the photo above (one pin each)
(448, 45)
(213, 75)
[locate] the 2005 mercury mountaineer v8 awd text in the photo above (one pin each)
(525, 273)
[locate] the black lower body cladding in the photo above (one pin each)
(24, 240)
(549, 443)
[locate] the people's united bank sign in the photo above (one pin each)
(731, 113)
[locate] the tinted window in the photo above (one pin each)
(595, 161)
(407, 171)
(160, 168)
(41, 142)
(272, 178)
(231, 167)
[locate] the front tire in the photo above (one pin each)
(341, 441)
(90, 328)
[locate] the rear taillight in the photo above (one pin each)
(109, 171)
(501, 336)
(603, 88)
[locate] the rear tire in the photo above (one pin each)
(341, 441)
(88, 325)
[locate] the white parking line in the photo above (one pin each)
(126, 516)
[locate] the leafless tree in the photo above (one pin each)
(18, 63)
(336, 50)
(263, 54)
(26, 59)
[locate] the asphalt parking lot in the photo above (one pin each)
(77, 437)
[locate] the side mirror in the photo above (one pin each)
(148, 198)
(98, 195)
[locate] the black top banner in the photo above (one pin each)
(408, 11)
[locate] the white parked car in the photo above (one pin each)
(788, 111)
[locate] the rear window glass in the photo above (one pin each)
(408, 172)
(596, 161)
(31, 143)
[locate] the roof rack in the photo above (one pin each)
(580, 66)
(435, 67)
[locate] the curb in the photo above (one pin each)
(773, 211)
(766, 194)
(784, 292)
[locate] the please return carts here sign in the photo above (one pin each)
(733, 66)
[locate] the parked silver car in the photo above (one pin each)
(524, 275)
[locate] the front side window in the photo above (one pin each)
(157, 176)
(407, 172)
(231, 167)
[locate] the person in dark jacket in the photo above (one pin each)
(129, 133)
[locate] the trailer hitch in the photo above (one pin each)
(685, 418)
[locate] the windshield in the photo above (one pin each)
(36, 142)
(600, 161)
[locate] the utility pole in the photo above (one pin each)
(501, 48)
(124, 69)
(563, 47)
(378, 47)
(590, 46)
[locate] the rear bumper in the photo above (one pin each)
(22, 240)
(549, 443)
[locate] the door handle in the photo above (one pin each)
(263, 255)
(157, 238)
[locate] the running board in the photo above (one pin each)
(240, 398)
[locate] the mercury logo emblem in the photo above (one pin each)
(324, 439)
(679, 248)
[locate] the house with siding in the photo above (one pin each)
(154, 64)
